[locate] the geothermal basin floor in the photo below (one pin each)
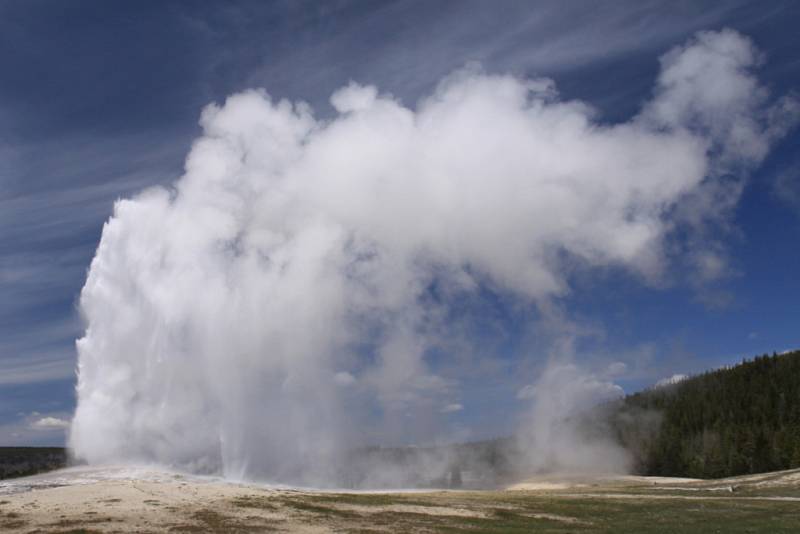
(93, 500)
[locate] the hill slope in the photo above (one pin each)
(734, 421)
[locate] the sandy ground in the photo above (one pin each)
(124, 499)
(133, 500)
(121, 499)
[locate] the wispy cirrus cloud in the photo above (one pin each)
(43, 354)
(54, 199)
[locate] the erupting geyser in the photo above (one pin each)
(271, 309)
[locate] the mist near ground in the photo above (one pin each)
(273, 311)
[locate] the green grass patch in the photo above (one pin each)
(308, 506)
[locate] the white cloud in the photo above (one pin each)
(526, 392)
(344, 379)
(450, 408)
(674, 379)
(354, 97)
(49, 423)
(617, 368)
(35, 429)
(294, 249)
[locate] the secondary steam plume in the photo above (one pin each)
(272, 308)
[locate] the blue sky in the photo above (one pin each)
(101, 99)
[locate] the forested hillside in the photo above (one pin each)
(23, 461)
(739, 420)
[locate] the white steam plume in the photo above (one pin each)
(269, 310)
(552, 436)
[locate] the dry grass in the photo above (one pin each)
(634, 505)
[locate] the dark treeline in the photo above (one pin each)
(23, 461)
(740, 420)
